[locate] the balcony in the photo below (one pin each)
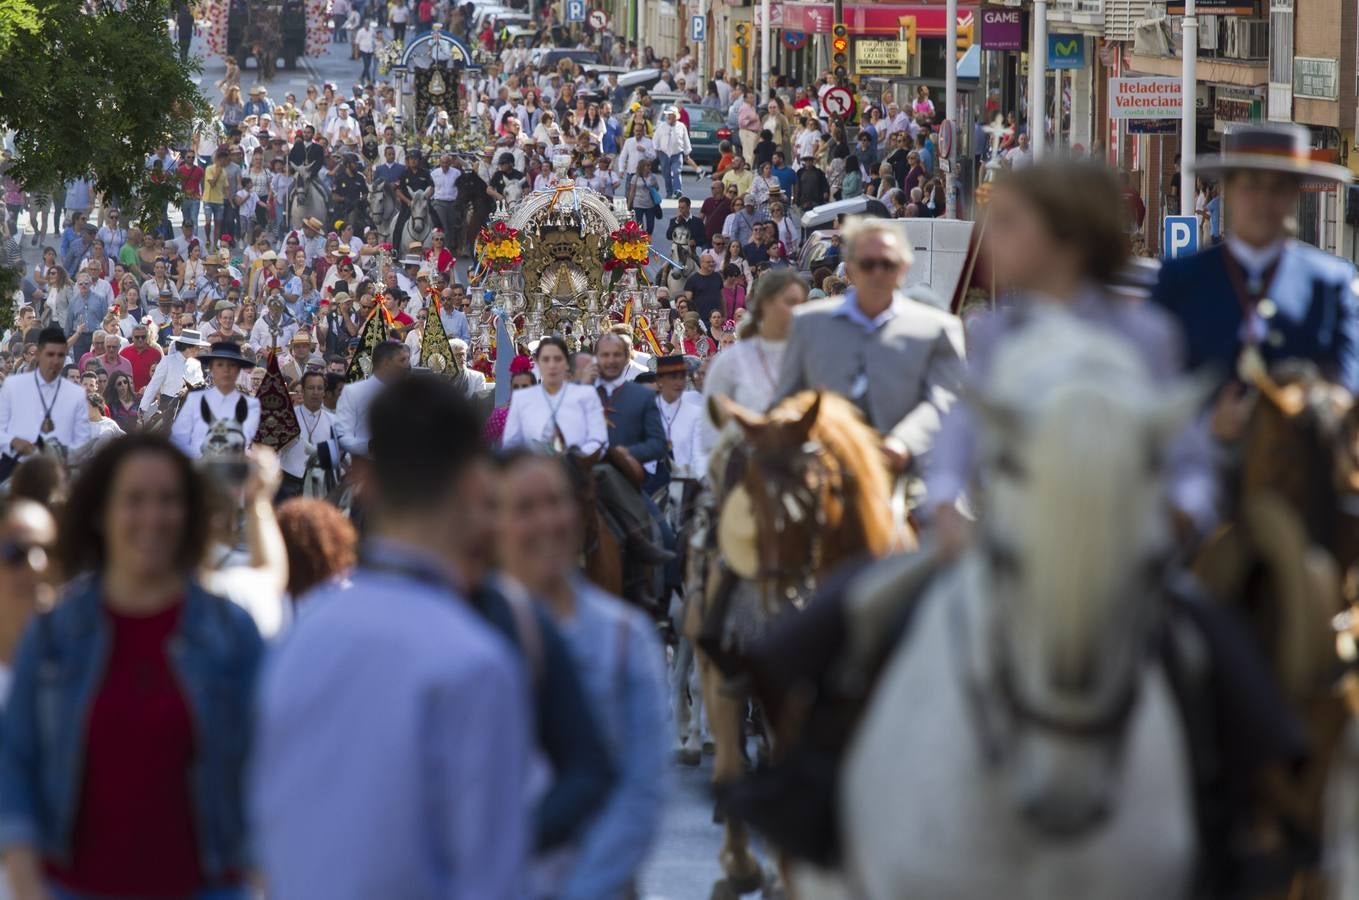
(1078, 12)
(1237, 39)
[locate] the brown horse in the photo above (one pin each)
(1281, 560)
(603, 557)
(808, 489)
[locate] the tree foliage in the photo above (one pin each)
(92, 90)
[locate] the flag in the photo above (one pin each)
(435, 354)
(278, 423)
(374, 331)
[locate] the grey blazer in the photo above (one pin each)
(913, 362)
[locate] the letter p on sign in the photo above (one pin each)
(1180, 237)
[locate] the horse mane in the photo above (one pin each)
(856, 448)
(1077, 399)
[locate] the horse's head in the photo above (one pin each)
(225, 440)
(679, 245)
(809, 490)
(1302, 447)
(1074, 538)
(301, 173)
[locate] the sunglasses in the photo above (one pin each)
(870, 265)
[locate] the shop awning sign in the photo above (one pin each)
(1145, 98)
(1002, 28)
(881, 57)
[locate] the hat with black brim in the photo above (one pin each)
(227, 351)
(1279, 148)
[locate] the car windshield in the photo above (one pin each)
(703, 116)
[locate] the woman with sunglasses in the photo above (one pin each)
(128, 725)
(122, 401)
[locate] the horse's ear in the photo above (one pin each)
(807, 421)
(723, 409)
(242, 410)
(206, 410)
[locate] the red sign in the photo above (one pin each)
(871, 19)
(838, 102)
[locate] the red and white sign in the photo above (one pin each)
(838, 101)
(872, 19)
(1145, 98)
(599, 19)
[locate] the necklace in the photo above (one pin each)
(47, 425)
(668, 421)
(764, 362)
(312, 425)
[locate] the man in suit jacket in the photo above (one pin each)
(636, 436)
(1260, 288)
(899, 360)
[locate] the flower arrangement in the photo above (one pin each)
(388, 55)
(631, 248)
(500, 247)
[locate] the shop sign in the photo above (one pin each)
(1066, 51)
(1002, 28)
(1145, 98)
(1213, 8)
(881, 57)
(1316, 79)
(1233, 105)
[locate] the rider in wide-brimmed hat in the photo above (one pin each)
(1261, 290)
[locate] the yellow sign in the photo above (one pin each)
(881, 57)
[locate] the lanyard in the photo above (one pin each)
(47, 407)
(1249, 301)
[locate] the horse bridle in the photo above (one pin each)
(792, 492)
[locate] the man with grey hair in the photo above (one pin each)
(900, 361)
(470, 381)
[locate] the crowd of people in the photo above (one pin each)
(192, 627)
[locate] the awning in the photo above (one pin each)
(877, 19)
(970, 65)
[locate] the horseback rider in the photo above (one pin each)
(416, 178)
(41, 407)
(1260, 289)
(220, 400)
(306, 152)
(350, 191)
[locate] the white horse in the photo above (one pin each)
(308, 198)
(381, 210)
(1023, 741)
(419, 223)
(674, 276)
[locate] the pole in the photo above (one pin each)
(764, 50)
(1038, 65)
(1188, 126)
(641, 32)
(701, 51)
(951, 106)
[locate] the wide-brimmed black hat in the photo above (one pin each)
(228, 351)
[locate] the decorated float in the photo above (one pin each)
(564, 261)
(432, 106)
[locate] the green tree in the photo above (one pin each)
(92, 90)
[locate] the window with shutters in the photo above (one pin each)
(1281, 60)
(1121, 18)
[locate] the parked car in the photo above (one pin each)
(707, 129)
(825, 215)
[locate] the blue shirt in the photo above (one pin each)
(787, 178)
(850, 310)
(612, 130)
(619, 661)
(389, 172)
(455, 324)
(78, 194)
(88, 308)
(1214, 209)
(393, 745)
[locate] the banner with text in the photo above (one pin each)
(1145, 98)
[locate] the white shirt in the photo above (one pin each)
(365, 39)
(265, 334)
(445, 183)
(340, 130)
(635, 149)
(575, 408)
(682, 421)
(23, 398)
(351, 414)
(191, 426)
(673, 140)
(101, 433)
(169, 377)
(747, 372)
(317, 428)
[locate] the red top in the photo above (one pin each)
(134, 833)
(141, 363)
(191, 179)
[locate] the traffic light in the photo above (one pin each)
(965, 36)
(906, 25)
(840, 49)
(743, 34)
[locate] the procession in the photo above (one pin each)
(544, 453)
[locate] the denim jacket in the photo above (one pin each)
(215, 654)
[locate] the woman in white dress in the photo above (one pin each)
(556, 415)
(748, 371)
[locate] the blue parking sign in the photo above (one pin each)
(698, 29)
(1180, 237)
(575, 10)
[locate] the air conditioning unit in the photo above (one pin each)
(1153, 38)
